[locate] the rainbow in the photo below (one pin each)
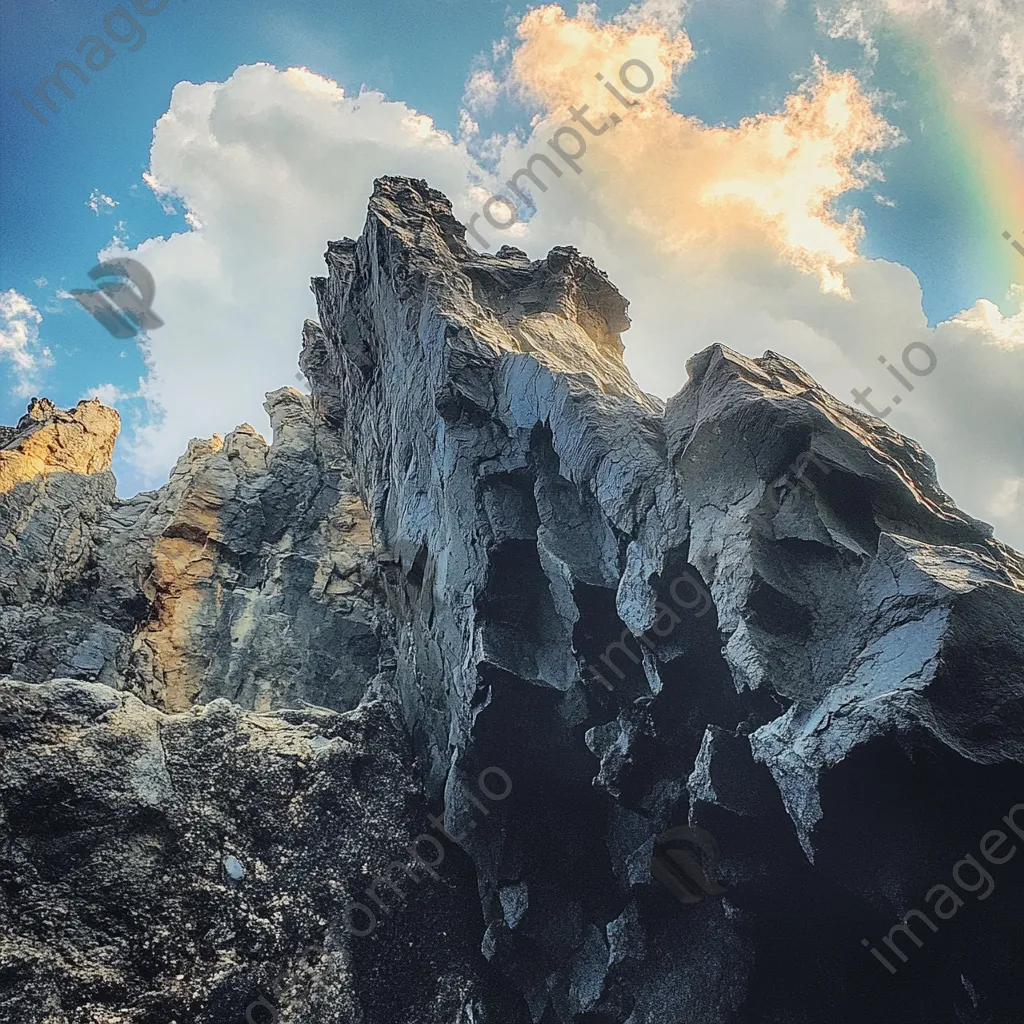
(988, 166)
(999, 173)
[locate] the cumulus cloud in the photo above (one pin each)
(716, 234)
(771, 180)
(19, 342)
(268, 165)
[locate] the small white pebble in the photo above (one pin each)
(234, 867)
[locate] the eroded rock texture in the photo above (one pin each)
(750, 610)
(247, 576)
(185, 867)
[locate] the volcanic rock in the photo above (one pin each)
(482, 588)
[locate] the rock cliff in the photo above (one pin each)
(386, 720)
(249, 575)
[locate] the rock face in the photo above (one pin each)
(249, 575)
(185, 867)
(749, 615)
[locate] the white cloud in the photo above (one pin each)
(985, 320)
(669, 14)
(850, 21)
(99, 203)
(268, 165)
(1009, 501)
(162, 194)
(482, 91)
(110, 394)
(119, 237)
(467, 126)
(19, 342)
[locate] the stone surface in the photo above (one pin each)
(192, 867)
(248, 575)
(750, 611)
(855, 661)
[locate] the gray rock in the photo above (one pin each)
(249, 575)
(196, 867)
(524, 595)
(538, 511)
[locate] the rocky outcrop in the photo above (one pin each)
(256, 565)
(248, 575)
(194, 867)
(55, 485)
(748, 617)
(541, 515)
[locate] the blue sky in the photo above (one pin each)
(748, 56)
(101, 138)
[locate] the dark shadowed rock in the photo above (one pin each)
(749, 615)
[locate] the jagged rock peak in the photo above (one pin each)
(562, 309)
(50, 440)
(895, 471)
(841, 622)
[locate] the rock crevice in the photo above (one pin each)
(478, 546)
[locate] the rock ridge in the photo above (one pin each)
(476, 546)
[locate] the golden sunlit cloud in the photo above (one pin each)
(697, 190)
(558, 56)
